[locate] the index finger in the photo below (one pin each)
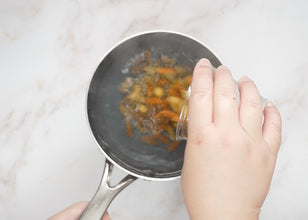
(200, 111)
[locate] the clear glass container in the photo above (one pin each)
(181, 128)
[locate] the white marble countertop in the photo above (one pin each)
(48, 51)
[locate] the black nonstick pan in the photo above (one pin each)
(107, 124)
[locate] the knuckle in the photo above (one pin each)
(230, 142)
(224, 92)
(254, 103)
(195, 140)
(198, 135)
(201, 93)
(227, 141)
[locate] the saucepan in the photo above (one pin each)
(136, 158)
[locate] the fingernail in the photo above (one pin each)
(244, 79)
(204, 62)
(269, 104)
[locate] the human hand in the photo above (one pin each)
(73, 212)
(230, 153)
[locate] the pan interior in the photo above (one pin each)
(107, 122)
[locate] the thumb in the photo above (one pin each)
(73, 212)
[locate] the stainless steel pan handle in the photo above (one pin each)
(104, 194)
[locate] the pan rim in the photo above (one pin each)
(107, 157)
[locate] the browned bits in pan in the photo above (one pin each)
(136, 67)
(129, 129)
(150, 140)
(148, 56)
(152, 98)
(173, 145)
(163, 139)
